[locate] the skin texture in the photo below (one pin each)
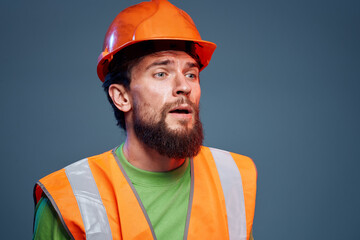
(157, 80)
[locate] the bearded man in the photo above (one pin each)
(161, 183)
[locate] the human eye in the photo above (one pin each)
(191, 76)
(160, 75)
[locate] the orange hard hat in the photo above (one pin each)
(154, 20)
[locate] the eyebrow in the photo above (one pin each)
(167, 62)
(159, 63)
(192, 65)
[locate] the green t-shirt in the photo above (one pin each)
(164, 195)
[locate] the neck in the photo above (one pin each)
(143, 157)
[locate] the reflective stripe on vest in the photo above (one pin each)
(87, 195)
(231, 183)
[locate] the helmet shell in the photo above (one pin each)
(155, 20)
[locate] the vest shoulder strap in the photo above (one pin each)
(57, 189)
(73, 192)
(248, 173)
(231, 192)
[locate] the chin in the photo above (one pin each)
(180, 124)
(180, 127)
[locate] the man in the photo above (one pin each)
(161, 183)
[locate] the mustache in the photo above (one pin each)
(168, 106)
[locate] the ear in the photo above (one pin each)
(120, 97)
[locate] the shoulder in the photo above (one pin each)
(59, 180)
(60, 174)
(96, 158)
(244, 163)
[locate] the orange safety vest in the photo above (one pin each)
(95, 199)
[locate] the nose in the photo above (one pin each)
(181, 85)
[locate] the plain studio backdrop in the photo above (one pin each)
(282, 88)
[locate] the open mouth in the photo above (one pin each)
(181, 110)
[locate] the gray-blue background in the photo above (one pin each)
(282, 88)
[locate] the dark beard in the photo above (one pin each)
(177, 144)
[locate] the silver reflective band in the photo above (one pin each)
(87, 195)
(231, 184)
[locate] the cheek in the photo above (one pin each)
(151, 96)
(159, 91)
(196, 92)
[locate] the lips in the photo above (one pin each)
(183, 109)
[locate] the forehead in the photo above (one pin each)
(173, 56)
(172, 53)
